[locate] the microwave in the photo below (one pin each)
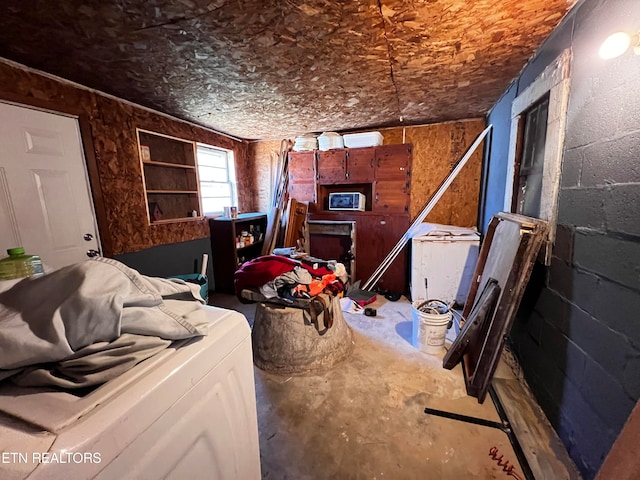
(347, 201)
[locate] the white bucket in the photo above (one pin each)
(429, 330)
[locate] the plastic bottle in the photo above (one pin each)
(18, 265)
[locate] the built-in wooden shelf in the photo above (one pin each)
(170, 165)
(170, 177)
(173, 191)
(175, 220)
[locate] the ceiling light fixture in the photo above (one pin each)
(618, 43)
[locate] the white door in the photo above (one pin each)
(45, 201)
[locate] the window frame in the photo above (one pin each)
(524, 170)
(554, 81)
(231, 179)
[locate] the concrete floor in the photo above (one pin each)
(365, 418)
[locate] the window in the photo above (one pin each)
(217, 175)
(538, 118)
(530, 168)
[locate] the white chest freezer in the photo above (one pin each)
(187, 412)
(443, 259)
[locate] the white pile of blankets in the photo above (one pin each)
(84, 324)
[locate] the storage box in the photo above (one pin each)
(364, 139)
(329, 141)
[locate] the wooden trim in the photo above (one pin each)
(555, 81)
(143, 176)
(539, 441)
(190, 192)
(169, 165)
(177, 220)
(555, 73)
(138, 130)
(40, 104)
(96, 187)
(197, 170)
(91, 162)
(517, 162)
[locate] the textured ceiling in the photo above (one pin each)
(278, 68)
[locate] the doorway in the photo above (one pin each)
(45, 199)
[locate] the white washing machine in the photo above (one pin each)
(188, 412)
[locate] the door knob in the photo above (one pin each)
(92, 253)
(88, 237)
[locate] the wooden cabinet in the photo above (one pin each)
(391, 197)
(227, 254)
(360, 165)
(393, 179)
(383, 175)
(170, 177)
(302, 176)
(393, 162)
(332, 166)
(346, 166)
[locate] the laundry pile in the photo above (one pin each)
(277, 276)
(288, 281)
(87, 323)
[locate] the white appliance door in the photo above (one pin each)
(45, 201)
(209, 434)
(442, 267)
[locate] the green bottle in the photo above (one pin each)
(18, 265)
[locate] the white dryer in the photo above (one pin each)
(188, 412)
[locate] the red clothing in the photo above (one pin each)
(261, 270)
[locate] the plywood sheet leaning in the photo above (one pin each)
(506, 257)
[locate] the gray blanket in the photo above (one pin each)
(86, 323)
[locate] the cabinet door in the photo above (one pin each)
(302, 176)
(377, 235)
(391, 196)
(393, 162)
(393, 178)
(332, 166)
(360, 163)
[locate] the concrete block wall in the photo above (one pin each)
(577, 334)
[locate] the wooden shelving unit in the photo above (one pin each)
(170, 177)
(170, 192)
(227, 257)
(169, 165)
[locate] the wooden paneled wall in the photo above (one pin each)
(108, 127)
(437, 148)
